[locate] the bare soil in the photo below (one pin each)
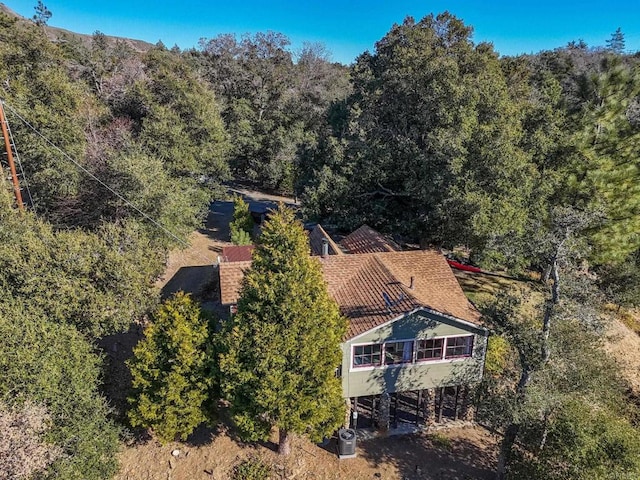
(455, 454)
(624, 346)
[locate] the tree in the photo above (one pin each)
(42, 15)
(242, 225)
(48, 363)
(557, 246)
(100, 282)
(616, 43)
(584, 443)
(170, 371)
(429, 144)
(282, 349)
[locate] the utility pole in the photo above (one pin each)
(10, 162)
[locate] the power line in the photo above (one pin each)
(121, 197)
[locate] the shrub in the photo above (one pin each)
(252, 468)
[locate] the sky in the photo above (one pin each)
(347, 27)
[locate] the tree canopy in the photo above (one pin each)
(281, 349)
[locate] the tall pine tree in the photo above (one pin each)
(282, 346)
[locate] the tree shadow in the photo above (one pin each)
(191, 280)
(116, 386)
(435, 456)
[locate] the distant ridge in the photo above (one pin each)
(57, 35)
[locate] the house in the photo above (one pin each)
(415, 344)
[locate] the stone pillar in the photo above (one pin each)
(429, 405)
(384, 415)
(468, 410)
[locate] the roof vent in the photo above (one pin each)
(391, 303)
(325, 247)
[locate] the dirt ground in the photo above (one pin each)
(454, 454)
(624, 345)
(192, 269)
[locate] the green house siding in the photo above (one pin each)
(357, 382)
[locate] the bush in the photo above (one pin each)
(170, 371)
(53, 365)
(252, 469)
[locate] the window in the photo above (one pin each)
(459, 347)
(367, 355)
(429, 349)
(398, 352)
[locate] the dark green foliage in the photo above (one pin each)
(52, 364)
(98, 282)
(242, 225)
(583, 442)
(252, 469)
(273, 108)
(428, 146)
(42, 15)
(616, 42)
(282, 347)
(170, 371)
(621, 283)
(37, 86)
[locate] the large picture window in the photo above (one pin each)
(367, 355)
(398, 352)
(401, 352)
(459, 347)
(429, 349)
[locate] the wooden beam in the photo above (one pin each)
(440, 404)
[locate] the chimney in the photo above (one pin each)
(411, 283)
(325, 247)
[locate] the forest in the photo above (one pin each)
(527, 165)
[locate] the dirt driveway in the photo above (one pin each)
(192, 270)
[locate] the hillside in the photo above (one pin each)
(59, 35)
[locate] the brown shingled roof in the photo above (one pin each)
(315, 242)
(237, 253)
(367, 240)
(357, 283)
(231, 275)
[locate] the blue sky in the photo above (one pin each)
(347, 27)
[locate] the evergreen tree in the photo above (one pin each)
(282, 346)
(42, 15)
(616, 42)
(429, 144)
(169, 370)
(242, 225)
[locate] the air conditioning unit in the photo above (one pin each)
(346, 443)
